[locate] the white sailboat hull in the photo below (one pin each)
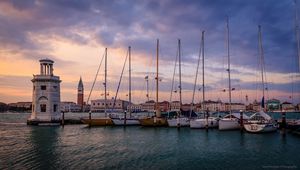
(129, 121)
(175, 122)
(229, 124)
(260, 127)
(201, 123)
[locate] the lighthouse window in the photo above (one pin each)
(43, 88)
(54, 108)
(43, 107)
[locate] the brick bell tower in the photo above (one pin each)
(80, 93)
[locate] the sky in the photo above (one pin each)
(75, 33)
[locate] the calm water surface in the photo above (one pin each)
(78, 147)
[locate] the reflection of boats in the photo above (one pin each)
(156, 120)
(261, 122)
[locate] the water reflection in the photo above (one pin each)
(44, 142)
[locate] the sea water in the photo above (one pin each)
(80, 147)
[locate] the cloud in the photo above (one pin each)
(35, 28)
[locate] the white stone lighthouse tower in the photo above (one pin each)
(46, 94)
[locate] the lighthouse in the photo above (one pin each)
(46, 95)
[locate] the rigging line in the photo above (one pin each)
(173, 79)
(95, 78)
(195, 81)
(120, 80)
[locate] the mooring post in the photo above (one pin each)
(177, 121)
(241, 120)
(283, 123)
(90, 118)
(125, 114)
(207, 114)
(63, 118)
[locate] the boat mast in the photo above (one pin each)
(105, 81)
(297, 34)
(261, 52)
(129, 51)
(203, 90)
(147, 86)
(157, 79)
(228, 69)
(179, 62)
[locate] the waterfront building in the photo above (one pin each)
(235, 107)
(175, 106)
(70, 107)
(148, 106)
(135, 107)
(273, 105)
(25, 105)
(164, 106)
(46, 94)
(213, 106)
(287, 106)
(80, 94)
(99, 105)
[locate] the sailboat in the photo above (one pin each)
(260, 122)
(232, 120)
(156, 120)
(123, 120)
(103, 121)
(179, 120)
(207, 122)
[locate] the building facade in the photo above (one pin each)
(70, 107)
(287, 106)
(46, 93)
(99, 105)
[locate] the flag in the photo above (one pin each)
(263, 102)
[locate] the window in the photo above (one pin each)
(55, 87)
(94, 104)
(43, 107)
(33, 87)
(54, 107)
(43, 88)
